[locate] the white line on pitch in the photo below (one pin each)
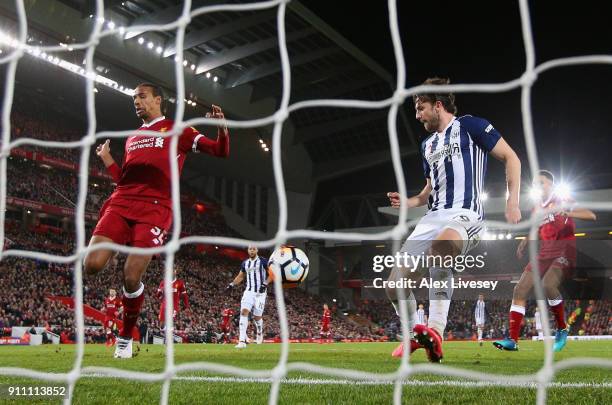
(419, 383)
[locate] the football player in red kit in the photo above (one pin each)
(179, 292)
(556, 259)
(139, 212)
(325, 332)
(226, 324)
(112, 308)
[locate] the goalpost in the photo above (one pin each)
(405, 370)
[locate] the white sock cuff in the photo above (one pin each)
(135, 294)
(517, 308)
(555, 302)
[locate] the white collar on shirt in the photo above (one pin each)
(449, 124)
(155, 121)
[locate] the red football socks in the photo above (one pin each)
(558, 308)
(517, 313)
(132, 303)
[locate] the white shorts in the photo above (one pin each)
(466, 222)
(253, 302)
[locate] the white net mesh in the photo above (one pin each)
(542, 378)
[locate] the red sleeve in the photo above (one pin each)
(192, 141)
(160, 290)
(115, 171)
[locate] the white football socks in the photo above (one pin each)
(244, 323)
(440, 299)
(411, 307)
(259, 326)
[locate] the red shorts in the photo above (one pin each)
(225, 328)
(162, 313)
(109, 322)
(134, 223)
(324, 328)
(562, 262)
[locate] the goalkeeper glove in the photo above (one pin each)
(263, 288)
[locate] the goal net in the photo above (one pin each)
(405, 370)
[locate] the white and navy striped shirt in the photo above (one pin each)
(479, 311)
(420, 319)
(455, 160)
(256, 272)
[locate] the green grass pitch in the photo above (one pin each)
(197, 387)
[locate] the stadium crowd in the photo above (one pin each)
(28, 283)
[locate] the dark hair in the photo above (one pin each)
(447, 99)
(547, 174)
(157, 92)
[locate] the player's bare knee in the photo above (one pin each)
(244, 312)
(93, 263)
(257, 318)
(442, 248)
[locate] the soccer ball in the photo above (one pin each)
(291, 264)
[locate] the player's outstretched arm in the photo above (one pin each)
(417, 201)
(503, 152)
(237, 280)
(103, 152)
(582, 213)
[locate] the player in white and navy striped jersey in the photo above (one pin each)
(480, 316)
(454, 162)
(255, 271)
(421, 318)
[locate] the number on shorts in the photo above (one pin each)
(159, 235)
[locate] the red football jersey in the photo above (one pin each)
(111, 306)
(227, 314)
(178, 291)
(145, 173)
(326, 317)
(556, 233)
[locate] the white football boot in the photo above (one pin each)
(241, 345)
(123, 348)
